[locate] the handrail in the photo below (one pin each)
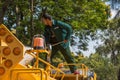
(84, 69)
(95, 76)
(48, 64)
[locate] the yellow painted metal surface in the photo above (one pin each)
(11, 51)
(37, 55)
(22, 73)
(49, 67)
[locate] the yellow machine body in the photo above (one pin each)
(15, 66)
(11, 51)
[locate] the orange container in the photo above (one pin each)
(38, 43)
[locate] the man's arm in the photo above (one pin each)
(67, 27)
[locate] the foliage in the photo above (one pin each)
(102, 66)
(85, 16)
(111, 40)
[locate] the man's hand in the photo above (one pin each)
(65, 41)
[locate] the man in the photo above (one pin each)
(58, 32)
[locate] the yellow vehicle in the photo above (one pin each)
(14, 62)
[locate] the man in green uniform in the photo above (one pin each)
(55, 32)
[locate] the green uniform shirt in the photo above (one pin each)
(60, 30)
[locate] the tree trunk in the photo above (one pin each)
(3, 9)
(31, 21)
(118, 74)
(17, 19)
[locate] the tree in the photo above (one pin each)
(102, 66)
(3, 8)
(85, 16)
(111, 40)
